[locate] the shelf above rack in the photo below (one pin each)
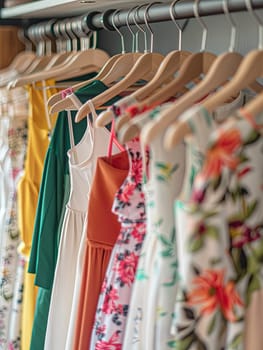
(63, 8)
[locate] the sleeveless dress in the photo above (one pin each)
(53, 197)
(82, 170)
(151, 316)
(101, 235)
(129, 205)
(39, 128)
(17, 136)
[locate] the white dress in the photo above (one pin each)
(82, 167)
(151, 314)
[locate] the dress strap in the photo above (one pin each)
(70, 126)
(93, 110)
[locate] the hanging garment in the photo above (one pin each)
(152, 314)
(53, 197)
(221, 258)
(113, 304)
(93, 143)
(14, 106)
(17, 135)
(39, 127)
(92, 251)
(101, 235)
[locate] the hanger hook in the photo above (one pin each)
(172, 14)
(259, 23)
(134, 43)
(140, 27)
(24, 40)
(118, 31)
(233, 26)
(146, 20)
(202, 23)
(72, 35)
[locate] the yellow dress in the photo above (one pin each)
(28, 189)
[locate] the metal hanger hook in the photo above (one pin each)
(259, 23)
(134, 39)
(146, 20)
(229, 17)
(118, 31)
(140, 27)
(72, 35)
(197, 16)
(24, 40)
(172, 14)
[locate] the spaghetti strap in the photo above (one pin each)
(93, 111)
(70, 127)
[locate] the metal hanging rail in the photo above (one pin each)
(183, 10)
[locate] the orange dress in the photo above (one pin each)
(102, 231)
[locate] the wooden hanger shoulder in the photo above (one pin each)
(57, 103)
(146, 65)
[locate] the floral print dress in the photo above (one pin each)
(15, 134)
(221, 251)
(129, 205)
(151, 313)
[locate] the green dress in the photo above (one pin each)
(53, 196)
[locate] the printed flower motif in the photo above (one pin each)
(222, 154)
(138, 233)
(112, 344)
(199, 191)
(126, 192)
(109, 304)
(211, 293)
(127, 268)
(100, 330)
(136, 171)
(242, 234)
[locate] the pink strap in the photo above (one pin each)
(113, 139)
(66, 92)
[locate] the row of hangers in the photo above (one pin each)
(166, 77)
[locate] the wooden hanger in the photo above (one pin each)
(144, 69)
(82, 62)
(141, 67)
(250, 69)
(223, 69)
(58, 104)
(171, 64)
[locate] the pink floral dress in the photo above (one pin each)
(113, 304)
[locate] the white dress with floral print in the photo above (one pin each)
(221, 251)
(14, 132)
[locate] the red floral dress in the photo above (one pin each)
(113, 304)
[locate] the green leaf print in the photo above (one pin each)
(141, 275)
(253, 285)
(243, 158)
(236, 342)
(215, 261)
(166, 170)
(249, 210)
(195, 243)
(212, 232)
(253, 137)
(158, 223)
(182, 344)
(211, 325)
(161, 178)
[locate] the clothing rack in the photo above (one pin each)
(157, 13)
